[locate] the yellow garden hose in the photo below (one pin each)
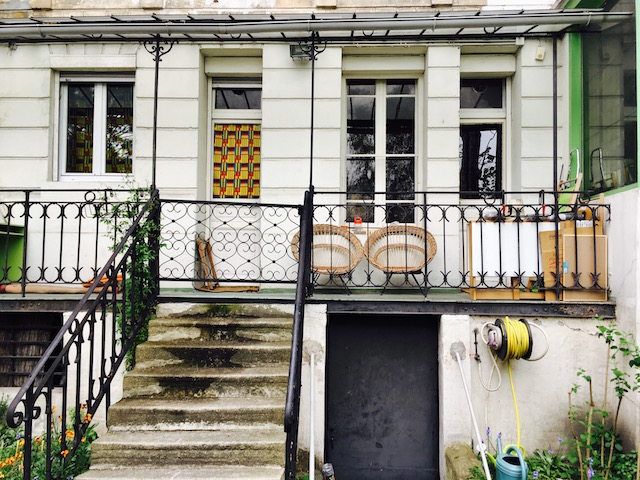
(509, 339)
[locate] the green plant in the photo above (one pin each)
(622, 343)
(63, 466)
(119, 218)
(597, 447)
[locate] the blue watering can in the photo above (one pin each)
(510, 467)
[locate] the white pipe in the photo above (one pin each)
(481, 446)
(312, 452)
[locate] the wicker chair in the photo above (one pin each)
(335, 251)
(400, 249)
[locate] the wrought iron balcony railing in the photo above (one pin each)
(437, 241)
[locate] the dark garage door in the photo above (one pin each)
(382, 397)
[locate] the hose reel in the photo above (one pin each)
(510, 339)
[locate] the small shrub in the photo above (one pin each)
(64, 466)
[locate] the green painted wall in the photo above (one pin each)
(575, 100)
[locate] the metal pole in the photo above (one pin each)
(313, 87)
(481, 446)
(157, 50)
(156, 60)
(557, 283)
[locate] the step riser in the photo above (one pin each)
(206, 395)
(157, 355)
(137, 419)
(215, 388)
(249, 455)
(233, 333)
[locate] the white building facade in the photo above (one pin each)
(388, 115)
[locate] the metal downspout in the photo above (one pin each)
(557, 283)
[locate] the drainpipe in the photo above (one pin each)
(557, 282)
(312, 423)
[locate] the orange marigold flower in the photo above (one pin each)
(87, 418)
(84, 439)
(2, 464)
(53, 409)
(83, 406)
(64, 453)
(70, 434)
(37, 440)
(1, 475)
(21, 443)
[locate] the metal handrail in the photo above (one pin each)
(292, 405)
(102, 298)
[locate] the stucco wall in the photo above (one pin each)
(541, 387)
(29, 116)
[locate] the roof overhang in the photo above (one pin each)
(331, 27)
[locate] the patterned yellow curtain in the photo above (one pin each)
(236, 161)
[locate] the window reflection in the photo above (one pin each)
(481, 93)
(610, 104)
(480, 160)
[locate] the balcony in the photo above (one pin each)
(433, 248)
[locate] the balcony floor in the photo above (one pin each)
(404, 302)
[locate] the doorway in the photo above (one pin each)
(382, 397)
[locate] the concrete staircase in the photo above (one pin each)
(205, 400)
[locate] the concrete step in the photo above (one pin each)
(195, 413)
(269, 472)
(199, 353)
(255, 447)
(241, 329)
(179, 382)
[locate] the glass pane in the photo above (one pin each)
(401, 87)
(480, 159)
(360, 178)
(364, 211)
(361, 87)
(481, 93)
(400, 212)
(400, 125)
(238, 98)
(361, 125)
(119, 146)
(400, 178)
(80, 128)
(610, 112)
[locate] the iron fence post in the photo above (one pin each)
(23, 278)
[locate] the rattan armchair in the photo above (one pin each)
(400, 249)
(335, 251)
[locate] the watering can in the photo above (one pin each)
(510, 467)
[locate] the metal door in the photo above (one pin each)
(382, 397)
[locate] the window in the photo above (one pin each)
(381, 148)
(484, 93)
(96, 127)
(480, 160)
(482, 115)
(236, 140)
(610, 104)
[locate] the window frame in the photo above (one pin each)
(380, 144)
(231, 116)
(490, 116)
(99, 120)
